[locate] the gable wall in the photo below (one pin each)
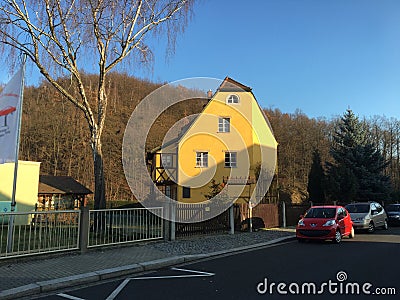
(204, 136)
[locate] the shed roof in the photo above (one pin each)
(61, 185)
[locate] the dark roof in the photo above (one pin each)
(61, 185)
(230, 85)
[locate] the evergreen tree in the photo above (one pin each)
(215, 189)
(357, 171)
(373, 185)
(316, 177)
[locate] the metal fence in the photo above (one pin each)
(29, 233)
(118, 226)
(198, 220)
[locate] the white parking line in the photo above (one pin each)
(115, 293)
(118, 289)
(193, 271)
(69, 296)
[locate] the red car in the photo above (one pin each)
(325, 223)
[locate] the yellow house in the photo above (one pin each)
(227, 146)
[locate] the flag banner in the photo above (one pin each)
(9, 117)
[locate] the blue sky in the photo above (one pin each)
(318, 56)
(314, 55)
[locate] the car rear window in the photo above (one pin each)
(357, 208)
(321, 213)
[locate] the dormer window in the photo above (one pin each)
(232, 99)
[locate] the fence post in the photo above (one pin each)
(284, 214)
(165, 222)
(84, 229)
(169, 221)
(231, 220)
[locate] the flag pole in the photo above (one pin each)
(21, 97)
(10, 236)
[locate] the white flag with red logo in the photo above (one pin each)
(10, 110)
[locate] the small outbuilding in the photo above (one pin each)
(61, 193)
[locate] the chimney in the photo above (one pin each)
(209, 94)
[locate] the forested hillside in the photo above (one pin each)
(299, 136)
(55, 133)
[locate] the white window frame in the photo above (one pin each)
(201, 159)
(230, 160)
(233, 99)
(166, 160)
(224, 124)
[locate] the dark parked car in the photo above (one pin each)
(393, 212)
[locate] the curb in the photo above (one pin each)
(91, 277)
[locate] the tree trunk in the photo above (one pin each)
(99, 182)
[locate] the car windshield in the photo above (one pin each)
(321, 213)
(393, 208)
(357, 208)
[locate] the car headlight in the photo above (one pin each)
(301, 223)
(329, 223)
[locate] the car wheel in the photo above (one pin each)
(338, 237)
(385, 225)
(300, 240)
(351, 235)
(371, 227)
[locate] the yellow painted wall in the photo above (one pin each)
(204, 136)
(264, 141)
(27, 185)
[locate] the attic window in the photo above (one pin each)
(232, 99)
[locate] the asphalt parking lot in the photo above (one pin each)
(367, 261)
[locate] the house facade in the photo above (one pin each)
(222, 150)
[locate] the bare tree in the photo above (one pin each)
(66, 38)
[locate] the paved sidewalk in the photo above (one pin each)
(38, 274)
